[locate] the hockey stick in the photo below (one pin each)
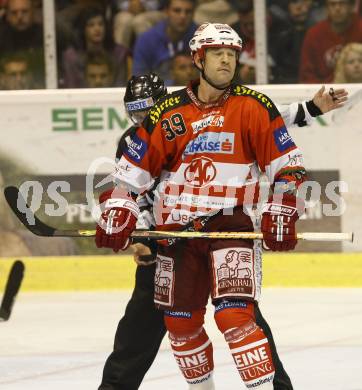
(18, 205)
(11, 289)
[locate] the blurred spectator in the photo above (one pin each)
(287, 45)
(67, 14)
(134, 18)
(183, 69)
(38, 11)
(216, 11)
(246, 30)
(324, 41)
(349, 64)
(20, 27)
(155, 48)
(98, 71)
(15, 73)
(279, 8)
(245, 25)
(19, 33)
(95, 39)
(247, 70)
(2, 8)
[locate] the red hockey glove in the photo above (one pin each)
(278, 221)
(118, 220)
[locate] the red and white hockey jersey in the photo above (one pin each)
(206, 157)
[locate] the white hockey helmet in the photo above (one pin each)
(214, 35)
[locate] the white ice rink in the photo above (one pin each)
(59, 341)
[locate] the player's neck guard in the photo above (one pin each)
(192, 93)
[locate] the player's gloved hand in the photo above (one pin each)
(278, 221)
(118, 219)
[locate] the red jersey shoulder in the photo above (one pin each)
(262, 99)
(166, 104)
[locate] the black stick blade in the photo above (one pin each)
(11, 289)
(23, 212)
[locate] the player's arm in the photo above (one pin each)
(282, 161)
(144, 250)
(140, 162)
(302, 114)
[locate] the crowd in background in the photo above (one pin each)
(101, 43)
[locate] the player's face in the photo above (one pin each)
(95, 30)
(353, 67)
(220, 65)
(138, 116)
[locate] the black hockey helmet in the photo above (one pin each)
(141, 94)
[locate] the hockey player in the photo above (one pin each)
(136, 341)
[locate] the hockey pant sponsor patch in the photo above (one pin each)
(164, 280)
(234, 273)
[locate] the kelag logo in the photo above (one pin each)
(136, 149)
(282, 139)
(211, 143)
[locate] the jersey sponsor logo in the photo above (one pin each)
(136, 148)
(222, 143)
(240, 90)
(200, 172)
(295, 161)
(282, 139)
(212, 121)
(139, 105)
(230, 305)
(158, 109)
(179, 216)
(178, 314)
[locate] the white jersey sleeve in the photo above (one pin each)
(295, 114)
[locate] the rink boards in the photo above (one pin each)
(86, 273)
